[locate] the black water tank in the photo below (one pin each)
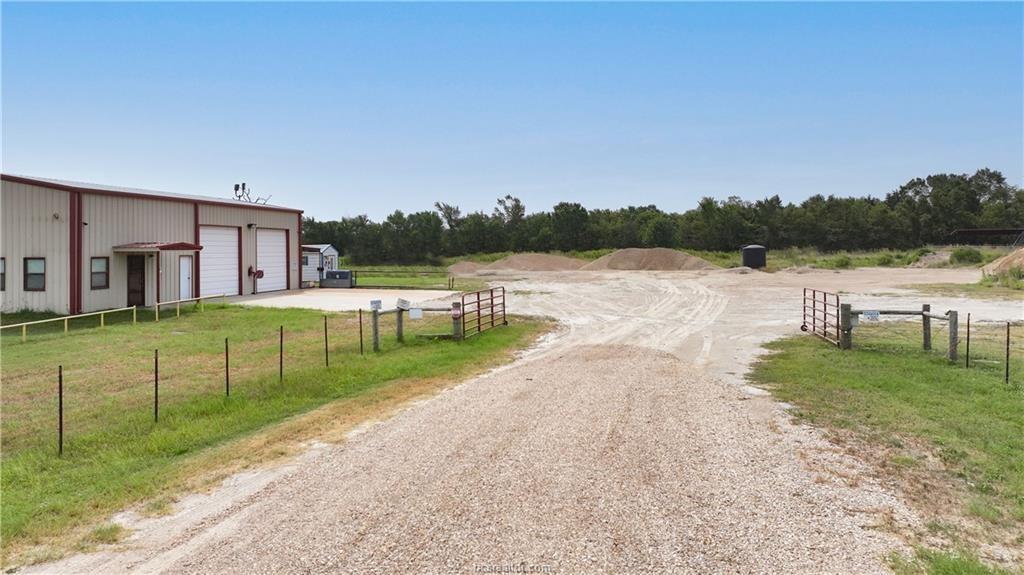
(755, 256)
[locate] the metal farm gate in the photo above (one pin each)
(821, 314)
(482, 310)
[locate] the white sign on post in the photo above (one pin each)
(416, 313)
(871, 315)
(402, 304)
(375, 304)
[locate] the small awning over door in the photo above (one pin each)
(153, 247)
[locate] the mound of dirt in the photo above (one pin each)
(537, 263)
(1014, 259)
(464, 268)
(936, 259)
(649, 259)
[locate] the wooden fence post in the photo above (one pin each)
(926, 326)
(375, 325)
(845, 327)
(399, 328)
(953, 339)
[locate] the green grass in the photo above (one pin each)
(893, 396)
(397, 277)
(116, 455)
(1006, 285)
(932, 562)
(142, 315)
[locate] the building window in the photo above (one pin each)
(99, 273)
(305, 260)
(3, 274)
(35, 274)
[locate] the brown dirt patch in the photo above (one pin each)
(649, 259)
(464, 268)
(1014, 259)
(537, 263)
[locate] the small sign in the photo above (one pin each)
(870, 315)
(402, 304)
(374, 304)
(416, 313)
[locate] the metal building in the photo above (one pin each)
(71, 247)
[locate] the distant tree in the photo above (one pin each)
(570, 226)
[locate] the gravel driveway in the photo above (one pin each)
(618, 446)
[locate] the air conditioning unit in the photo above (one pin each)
(337, 279)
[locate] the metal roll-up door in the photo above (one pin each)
(272, 259)
(218, 260)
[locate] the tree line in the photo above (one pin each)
(922, 211)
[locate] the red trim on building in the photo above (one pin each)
(195, 261)
(72, 239)
(155, 196)
(299, 217)
(240, 292)
(80, 234)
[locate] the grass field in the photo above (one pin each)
(952, 437)
(116, 455)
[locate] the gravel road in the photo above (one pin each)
(621, 445)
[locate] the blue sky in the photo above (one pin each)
(343, 109)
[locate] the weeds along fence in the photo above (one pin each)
(827, 317)
(160, 377)
(122, 315)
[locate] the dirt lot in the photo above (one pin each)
(625, 442)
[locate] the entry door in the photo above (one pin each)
(184, 277)
(137, 280)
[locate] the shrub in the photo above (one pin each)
(842, 262)
(885, 260)
(964, 255)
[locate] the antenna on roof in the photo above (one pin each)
(245, 195)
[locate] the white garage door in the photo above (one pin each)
(272, 259)
(218, 260)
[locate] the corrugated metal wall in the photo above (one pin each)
(117, 220)
(231, 216)
(35, 223)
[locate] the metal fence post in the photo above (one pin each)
(360, 331)
(1006, 375)
(327, 358)
(375, 326)
(953, 339)
(845, 327)
(399, 329)
(456, 321)
(60, 410)
(280, 356)
(227, 370)
(156, 385)
(967, 352)
(926, 326)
